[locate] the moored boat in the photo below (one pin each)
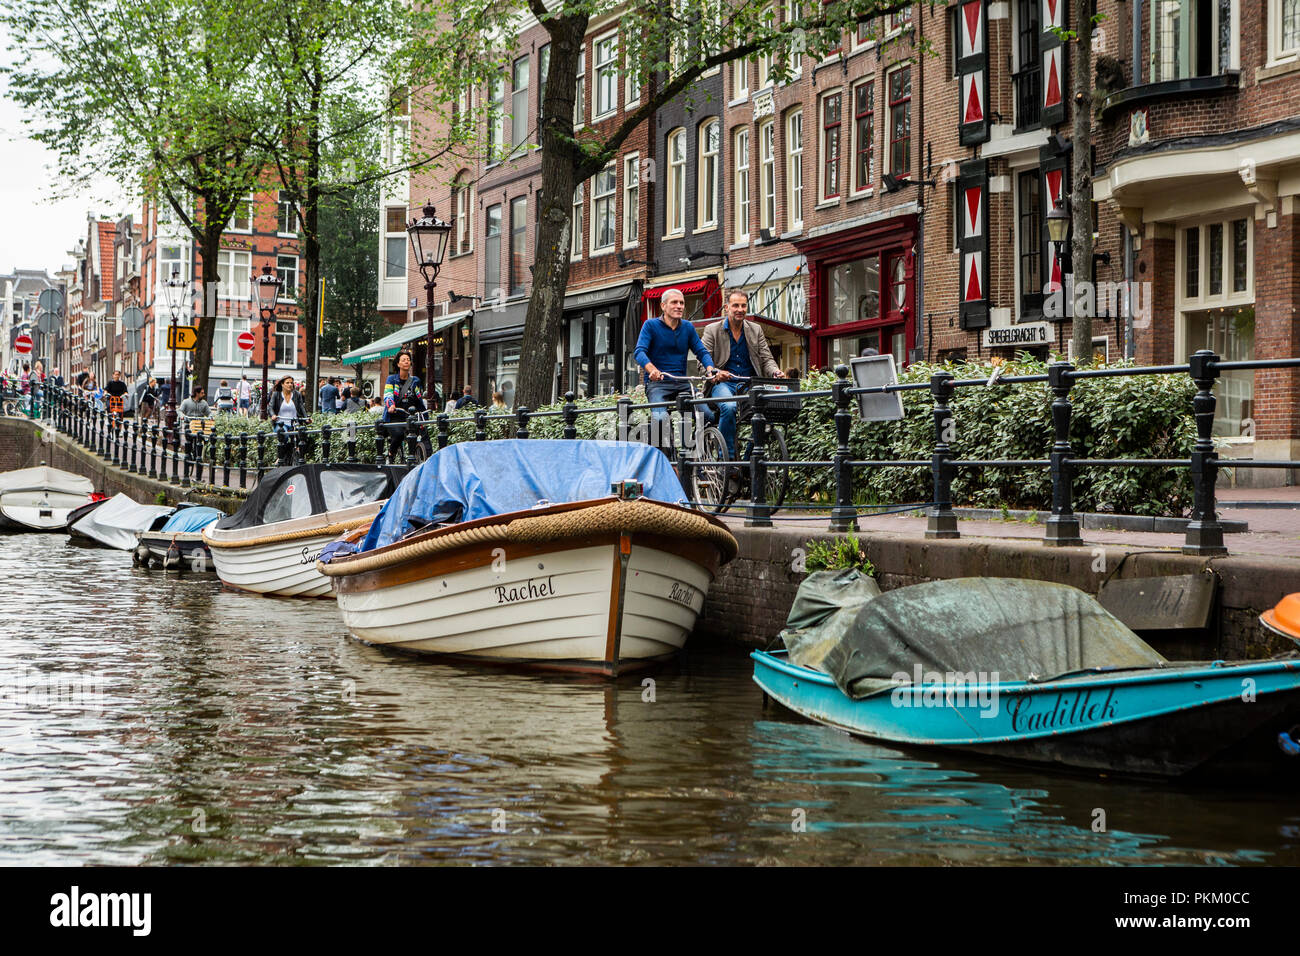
(179, 544)
(115, 523)
(40, 498)
(270, 545)
(518, 552)
(1029, 671)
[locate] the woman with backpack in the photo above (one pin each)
(225, 397)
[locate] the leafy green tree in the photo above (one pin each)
(349, 226)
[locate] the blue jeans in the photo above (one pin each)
(665, 391)
(727, 413)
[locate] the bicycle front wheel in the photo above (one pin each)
(708, 478)
(778, 476)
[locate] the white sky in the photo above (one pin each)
(38, 231)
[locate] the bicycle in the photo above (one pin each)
(736, 477)
(705, 453)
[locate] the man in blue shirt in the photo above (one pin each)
(329, 397)
(743, 352)
(661, 349)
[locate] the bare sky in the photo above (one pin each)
(39, 232)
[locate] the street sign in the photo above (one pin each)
(245, 341)
(132, 337)
(23, 344)
(48, 322)
(51, 300)
(183, 337)
(132, 319)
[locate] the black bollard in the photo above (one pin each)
(352, 441)
(844, 516)
(261, 455)
(624, 419)
(325, 443)
(570, 417)
(243, 459)
(1063, 525)
(1204, 533)
(153, 449)
(444, 430)
(760, 514)
(522, 417)
(480, 425)
(942, 522)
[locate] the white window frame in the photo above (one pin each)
(519, 115)
(580, 91)
(164, 262)
(249, 206)
(764, 60)
(855, 188)
(281, 203)
(631, 88)
(288, 293)
(896, 23)
(887, 141)
(496, 119)
(793, 10)
(631, 200)
(235, 266)
(739, 81)
(575, 223)
(276, 334)
(1277, 54)
(822, 196)
(794, 169)
(706, 185)
(604, 75)
(675, 207)
(1203, 299)
(741, 184)
(463, 196)
(767, 175)
(609, 199)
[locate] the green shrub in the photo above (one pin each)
(838, 554)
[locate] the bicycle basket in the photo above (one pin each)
(780, 410)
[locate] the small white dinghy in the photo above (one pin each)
(118, 520)
(39, 499)
(270, 545)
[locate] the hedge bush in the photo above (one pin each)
(1141, 416)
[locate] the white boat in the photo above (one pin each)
(39, 499)
(271, 544)
(178, 545)
(598, 585)
(116, 521)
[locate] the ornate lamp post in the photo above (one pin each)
(268, 295)
(1058, 228)
(174, 294)
(429, 243)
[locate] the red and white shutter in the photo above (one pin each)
(1055, 80)
(973, 243)
(972, 70)
(1055, 189)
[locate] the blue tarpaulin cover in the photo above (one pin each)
(191, 519)
(470, 480)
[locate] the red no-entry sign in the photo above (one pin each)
(23, 344)
(245, 341)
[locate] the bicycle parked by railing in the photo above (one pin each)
(704, 446)
(777, 412)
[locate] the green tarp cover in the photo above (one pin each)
(1002, 629)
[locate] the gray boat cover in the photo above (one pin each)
(965, 629)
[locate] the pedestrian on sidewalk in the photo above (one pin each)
(245, 395)
(196, 406)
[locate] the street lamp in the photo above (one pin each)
(429, 243)
(174, 294)
(1058, 228)
(268, 295)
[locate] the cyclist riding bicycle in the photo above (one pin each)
(402, 402)
(742, 352)
(661, 350)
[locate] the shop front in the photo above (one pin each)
(499, 335)
(862, 292)
(778, 303)
(413, 337)
(597, 343)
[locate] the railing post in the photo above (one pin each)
(942, 523)
(101, 448)
(1063, 525)
(325, 444)
(175, 439)
(137, 456)
(410, 443)
(624, 418)
(760, 515)
(189, 441)
(225, 460)
(298, 448)
(844, 516)
(115, 438)
(243, 459)
(352, 441)
(381, 444)
(685, 463)
(153, 449)
(522, 416)
(261, 455)
(444, 429)
(570, 417)
(480, 425)
(1204, 533)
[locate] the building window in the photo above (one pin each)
(580, 90)
(395, 242)
(1192, 38)
(631, 200)
(496, 120)
(767, 175)
(464, 202)
(854, 291)
(900, 121)
(1029, 242)
(765, 59)
(741, 189)
(676, 215)
(286, 343)
(899, 20)
(740, 79)
(1284, 30)
(605, 66)
(234, 273)
(603, 214)
(492, 254)
(864, 132)
(519, 103)
(631, 87)
(575, 224)
(286, 215)
(792, 11)
(543, 72)
(794, 169)
(706, 212)
(174, 259)
(865, 33)
(242, 219)
(224, 333)
(286, 268)
(830, 151)
(1028, 77)
(518, 238)
(1216, 305)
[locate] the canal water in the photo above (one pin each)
(154, 718)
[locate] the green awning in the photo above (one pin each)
(393, 342)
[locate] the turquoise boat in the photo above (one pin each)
(1027, 671)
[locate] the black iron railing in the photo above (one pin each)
(182, 456)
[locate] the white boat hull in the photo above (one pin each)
(567, 607)
(253, 560)
(41, 498)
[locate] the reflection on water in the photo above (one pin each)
(153, 718)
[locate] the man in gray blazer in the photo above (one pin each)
(739, 349)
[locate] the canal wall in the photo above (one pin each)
(749, 601)
(26, 444)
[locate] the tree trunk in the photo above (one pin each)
(1081, 191)
(560, 160)
(209, 251)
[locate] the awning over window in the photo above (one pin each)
(694, 287)
(393, 342)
